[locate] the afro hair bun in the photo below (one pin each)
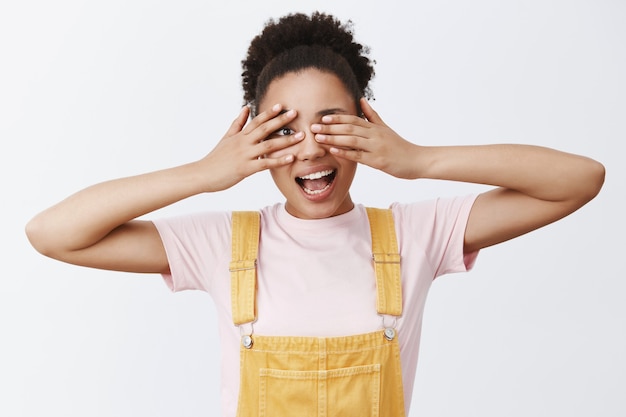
(298, 29)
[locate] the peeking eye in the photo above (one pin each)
(284, 131)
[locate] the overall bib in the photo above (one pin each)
(352, 376)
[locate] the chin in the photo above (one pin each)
(317, 211)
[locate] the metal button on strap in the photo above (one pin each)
(390, 333)
(246, 341)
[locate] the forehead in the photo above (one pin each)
(308, 91)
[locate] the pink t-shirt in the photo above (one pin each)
(315, 277)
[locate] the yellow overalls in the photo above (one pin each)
(352, 376)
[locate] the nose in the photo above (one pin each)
(309, 149)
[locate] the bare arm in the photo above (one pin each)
(535, 185)
(95, 227)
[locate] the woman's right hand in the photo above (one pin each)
(95, 227)
(244, 149)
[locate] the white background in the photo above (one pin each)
(96, 90)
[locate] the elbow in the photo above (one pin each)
(33, 233)
(36, 234)
(591, 183)
(596, 177)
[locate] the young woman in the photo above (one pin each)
(322, 329)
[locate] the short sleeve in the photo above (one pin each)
(435, 231)
(196, 246)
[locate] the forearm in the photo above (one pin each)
(92, 227)
(86, 217)
(535, 186)
(538, 172)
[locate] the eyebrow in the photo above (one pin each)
(322, 112)
(331, 111)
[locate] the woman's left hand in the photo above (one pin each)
(368, 141)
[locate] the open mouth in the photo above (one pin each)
(317, 182)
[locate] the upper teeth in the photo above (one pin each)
(317, 175)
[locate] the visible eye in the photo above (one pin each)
(284, 131)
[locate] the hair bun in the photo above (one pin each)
(298, 29)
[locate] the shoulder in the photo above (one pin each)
(201, 228)
(433, 223)
(197, 220)
(438, 210)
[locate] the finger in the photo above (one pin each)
(268, 128)
(370, 113)
(356, 155)
(348, 136)
(239, 122)
(343, 129)
(269, 146)
(342, 141)
(268, 163)
(330, 119)
(264, 117)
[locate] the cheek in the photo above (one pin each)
(349, 166)
(280, 175)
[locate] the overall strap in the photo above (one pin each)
(245, 245)
(386, 261)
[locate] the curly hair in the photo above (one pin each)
(298, 41)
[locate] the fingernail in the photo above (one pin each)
(320, 138)
(276, 107)
(316, 128)
(289, 158)
(299, 135)
(327, 119)
(291, 113)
